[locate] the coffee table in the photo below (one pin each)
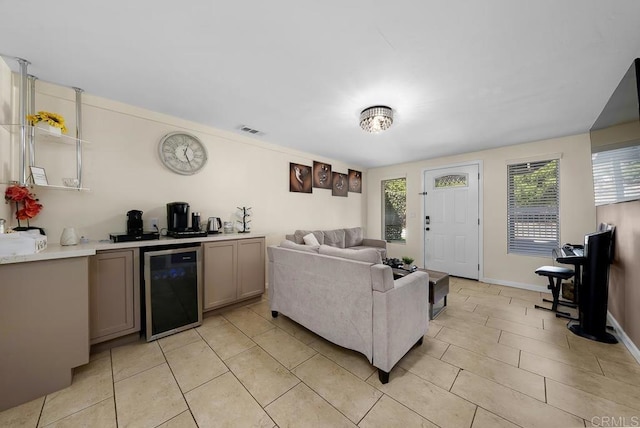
(438, 288)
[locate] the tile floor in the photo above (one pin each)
(489, 360)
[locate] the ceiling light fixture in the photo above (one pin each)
(375, 119)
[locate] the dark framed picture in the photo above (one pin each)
(322, 175)
(355, 181)
(340, 185)
(299, 178)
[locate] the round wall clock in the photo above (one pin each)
(182, 153)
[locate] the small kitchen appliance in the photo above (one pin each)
(134, 222)
(178, 222)
(135, 231)
(214, 225)
(177, 216)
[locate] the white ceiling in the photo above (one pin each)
(461, 75)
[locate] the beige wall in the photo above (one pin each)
(577, 212)
(123, 171)
(624, 276)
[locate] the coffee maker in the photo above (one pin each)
(177, 216)
(134, 223)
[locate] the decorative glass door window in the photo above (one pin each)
(453, 180)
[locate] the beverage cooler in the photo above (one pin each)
(173, 289)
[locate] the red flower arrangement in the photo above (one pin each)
(22, 194)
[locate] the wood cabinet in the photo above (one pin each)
(233, 271)
(114, 294)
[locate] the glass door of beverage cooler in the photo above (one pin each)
(173, 291)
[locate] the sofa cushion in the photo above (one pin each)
(310, 239)
(335, 238)
(353, 237)
(293, 246)
(367, 256)
(299, 236)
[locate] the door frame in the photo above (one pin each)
(480, 165)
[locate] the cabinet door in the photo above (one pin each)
(220, 267)
(250, 267)
(114, 294)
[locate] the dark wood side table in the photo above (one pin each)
(438, 288)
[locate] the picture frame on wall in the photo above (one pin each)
(355, 181)
(299, 178)
(322, 177)
(340, 185)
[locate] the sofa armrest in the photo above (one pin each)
(368, 242)
(400, 318)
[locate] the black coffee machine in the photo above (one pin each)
(134, 223)
(177, 216)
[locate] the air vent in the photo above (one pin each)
(245, 128)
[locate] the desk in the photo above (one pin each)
(438, 288)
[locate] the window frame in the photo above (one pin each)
(533, 228)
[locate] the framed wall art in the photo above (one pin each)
(340, 186)
(355, 181)
(299, 178)
(322, 177)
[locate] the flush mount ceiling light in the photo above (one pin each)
(377, 118)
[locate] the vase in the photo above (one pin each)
(69, 237)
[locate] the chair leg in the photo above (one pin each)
(555, 292)
(274, 314)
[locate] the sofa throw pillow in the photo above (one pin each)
(334, 238)
(310, 239)
(368, 255)
(293, 246)
(300, 234)
(353, 237)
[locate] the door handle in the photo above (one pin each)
(426, 228)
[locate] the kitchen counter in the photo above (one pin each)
(57, 251)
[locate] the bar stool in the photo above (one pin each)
(559, 273)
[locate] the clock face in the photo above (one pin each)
(182, 153)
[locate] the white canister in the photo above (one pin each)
(69, 237)
(3, 223)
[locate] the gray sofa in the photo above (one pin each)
(342, 238)
(349, 298)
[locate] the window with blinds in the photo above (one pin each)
(616, 175)
(533, 207)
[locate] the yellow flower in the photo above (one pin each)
(52, 119)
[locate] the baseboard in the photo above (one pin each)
(532, 287)
(633, 349)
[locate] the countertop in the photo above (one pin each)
(57, 251)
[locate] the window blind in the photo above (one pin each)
(616, 175)
(533, 207)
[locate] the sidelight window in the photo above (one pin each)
(533, 207)
(394, 206)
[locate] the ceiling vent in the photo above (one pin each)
(245, 128)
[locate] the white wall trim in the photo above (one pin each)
(514, 284)
(633, 349)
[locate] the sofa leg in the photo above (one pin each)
(419, 342)
(383, 376)
(274, 314)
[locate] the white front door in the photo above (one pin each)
(451, 237)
